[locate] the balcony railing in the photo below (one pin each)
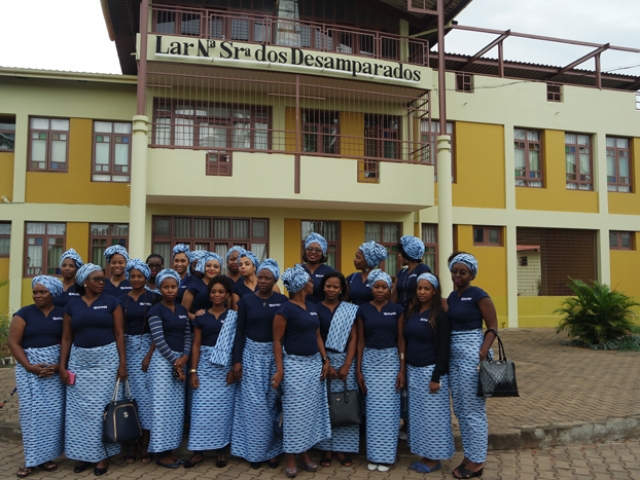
(270, 30)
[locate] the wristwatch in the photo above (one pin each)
(325, 359)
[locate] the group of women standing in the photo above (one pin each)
(248, 366)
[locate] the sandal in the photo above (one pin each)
(146, 458)
(424, 468)
(130, 459)
(326, 461)
(193, 463)
(463, 473)
(344, 460)
(49, 466)
(221, 462)
(24, 472)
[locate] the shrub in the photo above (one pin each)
(4, 334)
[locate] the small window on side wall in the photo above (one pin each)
(219, 163)
(554, 92)
(621, 240)
(7, 133)
(487, 236)
(464, 82)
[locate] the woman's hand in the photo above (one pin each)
(200, 312)
(194, 381)
(482, 355)
(64, 376)
(361, 385)
(400, 381)
(231, 378)
(276, 380)
(343, 372)
(237, 371)
(39, 369)
(145, 363)
(434, 387)
(122, 372)
(180, 363)
(326, 366)
(332, 373)
(55, 368)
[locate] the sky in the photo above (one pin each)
(71, 34)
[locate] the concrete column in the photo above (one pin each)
(512, 276)
(16, 265)
(445, 211)
(138, 201)
(600, 185)
(404, 43)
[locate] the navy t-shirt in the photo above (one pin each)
(135, 312)
(359, 293)
(182, 287)
(406, 283)
(316, 277)
(201, 299)
(67, 295)
(173, 324)
(41, 331)
(255, 320)
(240, 289)
(92, 324)
(302, 325)
(325, 316)
(420, 348)
(464, 311)
(380, 327)
(111, 289)
(210, 326)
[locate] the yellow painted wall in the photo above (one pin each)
(27, 297)
(4, 291)
(629, 203)
(6, 174)
(78, 238)
(292, 229)
(351, 237)
(625, 265)
(479, 152)
(75, 186)
(555, 196)
(538, 311)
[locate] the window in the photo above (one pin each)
(638, 100)
(621, 240)
(578, 158)
(487, 236)
(211, 125)
(102, 236)
(382, 134)
(219, 163)
(388, 235)
(554, 92)
(5, 238)
(618, 165)
(528, 158)
(111, 152)
(214, 234)
(45, 244)
(331, 233)
(430, 239)
(430, 145)
(7, 133)
(49, 144)
(320, 131)
(464, 82)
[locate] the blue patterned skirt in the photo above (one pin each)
(42, 404)
(137, 349)
(96, 369)
(343, 439)
(212, 406)
(380, 369)
(430, 433)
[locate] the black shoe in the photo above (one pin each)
(80, 467)
(168, 465)
(100, 471)
(255, 465)
(274, 463)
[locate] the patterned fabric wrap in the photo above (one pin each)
(343, 439)
(73, 255)
(341, 325)
(377, 274)
(253, 438)
(412, 246)
(95, 370)
(116, 250)
(166, 273)
(316, 238)
(222, 353)
(196, 255)
(53, 284)
(271, 265)
(430, 433)
(211, 406)
(137, 347)
(294, 279)
(304, 403)
(84, 271)
(469, 409)
(251, 256)
(431, 278)
(204, 259)
(374, 253)
(180, 248)
(137, 264)
(42, 404)
(380, 369)
(235, 248)
(468, 260)
(167, 398)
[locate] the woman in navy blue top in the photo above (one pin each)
(180, 263)
(70, 262)
(468, 306)
(412, 250)
(196, 299)
(117, 258)
(368, 257)
(248, 265)
(233, 269)
(315, 258)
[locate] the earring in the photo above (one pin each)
(85, 286)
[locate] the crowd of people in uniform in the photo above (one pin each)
(229, 353)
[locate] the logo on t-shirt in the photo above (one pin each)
(272, 305)
(142, 304)
(465, 299)
(390, 314)
(413, 275)
(74, 294)
(182, 316)
(126, 288)
(318, 275)
(313, 313)
(57, 319)
(424, 319)
(101, 307)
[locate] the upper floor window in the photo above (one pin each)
(621, 240)
(618, 165)
(320, 131)
(49, 145)
(387, 235)
(331, 233)
(554, 92)
(7, 133)
(528, 157)
(5, 238)
(45, 244)
(430, 145)
(111, 152)
(577, 149)
(464, 82)
(487, 236)
(102, 236)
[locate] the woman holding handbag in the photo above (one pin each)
(468, 306)
(338, 332)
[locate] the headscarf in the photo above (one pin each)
(251, 256)
(137, 264)
(468, 260)
(429, 277)
(377, 274)
(373, 253)
(116, 250)
(294, 279)
(166, 273)
(84, 271)
(53, 284)
(196, 255)
(271, 265)
(412, 246)
(316, 238)
(235, 248)
(205, 258)
(180, 248)
(73, 255)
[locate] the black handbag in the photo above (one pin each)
(344, 407)
(497, 378)
(120, 421)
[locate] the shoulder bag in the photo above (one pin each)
(344, 407)
(120, 422)
(497, 378)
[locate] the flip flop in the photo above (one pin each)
(424, 468)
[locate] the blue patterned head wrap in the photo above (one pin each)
(271, 265)
(373, 253)
(137, 264)
(294, 279)
(377, 274)
(468, 260)
(413, 247)
(205, 258)
(251, 256)
(116, 250)
(180, 248)
(196, 255)
(53, 284)
(166, 273)
(316, 238)
(84, 271)
(235, 248)
(431, 278)
(73, 255)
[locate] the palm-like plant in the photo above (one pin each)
(596, 314)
